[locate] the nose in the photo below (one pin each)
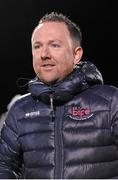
(45, 54)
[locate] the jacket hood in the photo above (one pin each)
(83, 76)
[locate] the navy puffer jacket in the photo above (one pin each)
(65, 131)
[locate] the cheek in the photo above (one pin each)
(68, 63)
(68, 60)
(36, 65)
(36, 57)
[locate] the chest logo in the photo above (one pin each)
(32, 114)
(78, 113)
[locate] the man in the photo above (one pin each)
(66, 127)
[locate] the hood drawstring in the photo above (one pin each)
(52, 113)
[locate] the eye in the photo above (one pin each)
(55, 45)
(36, 46)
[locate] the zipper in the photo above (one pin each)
(57, 117)
(58, 144)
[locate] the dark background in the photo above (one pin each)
(97, 20)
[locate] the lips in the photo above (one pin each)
(48, 65)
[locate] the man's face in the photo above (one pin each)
(53, 53)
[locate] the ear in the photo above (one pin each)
(78, 52)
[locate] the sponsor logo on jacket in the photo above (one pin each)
(78, 113)
(32, 114)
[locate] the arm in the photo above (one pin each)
(10, 155)
(114, 116)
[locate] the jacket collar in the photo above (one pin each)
(83, 76)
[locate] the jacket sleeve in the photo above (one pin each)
(10, 154)
(114, 116)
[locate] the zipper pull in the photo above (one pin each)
(52, 113)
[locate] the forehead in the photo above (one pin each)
(51, 29)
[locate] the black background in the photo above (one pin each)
(97, 19)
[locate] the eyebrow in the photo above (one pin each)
(50, 41)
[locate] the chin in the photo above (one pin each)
(50, 82)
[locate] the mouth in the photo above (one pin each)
(48, 66)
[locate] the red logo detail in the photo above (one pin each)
(79, 113)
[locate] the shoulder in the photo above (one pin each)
(22, 102)
(22, 105)
(107, 92)
(21, 99)
(104, 88)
